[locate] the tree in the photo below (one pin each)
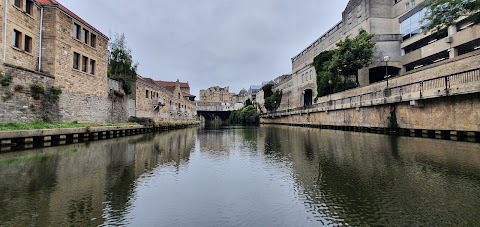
(272, 99)
(353, 54)
(443, 13)
(121, 66)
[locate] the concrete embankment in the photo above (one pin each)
(25, 139)
(448, 106)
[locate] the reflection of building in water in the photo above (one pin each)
(216, 141)
(83, 183)
(168, 147)
(342, 175)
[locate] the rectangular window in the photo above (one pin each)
(18, 3)
(84, 63)
(92, 67)
(76, 31)
(331, 41)
(17, 38)
(310, 74)
(28, 44)
(85, 34)
(146, 94)
(359, 8)
(359, 19)
(76, 59)
(29, 7)
(349, 15)
(93, 40)
(350, 26)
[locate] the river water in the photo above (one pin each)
(259, 176)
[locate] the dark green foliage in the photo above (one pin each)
(443, 13)
(340, 66)
(273, 102)
(121, 66)
(353, 54)
(6, 78)
(37, 91)
(54, 94)
(272, 99)
(18, 88)
(246, 116)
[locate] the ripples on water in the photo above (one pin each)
(267, 176)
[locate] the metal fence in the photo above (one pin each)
(439, 86)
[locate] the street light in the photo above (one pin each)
(330, 85)
(386, 59)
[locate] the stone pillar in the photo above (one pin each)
(453, 50)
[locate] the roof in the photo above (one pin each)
(56, 4)
(171, 84)
(188, 95)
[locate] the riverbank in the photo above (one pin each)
(25, 139)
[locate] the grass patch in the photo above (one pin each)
(43, 125)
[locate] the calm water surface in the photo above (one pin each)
(266, 176)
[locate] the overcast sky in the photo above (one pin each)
(234, 43)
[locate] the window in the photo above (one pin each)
(412, 25)
(28, 44)
(76, 31)
(146, 95)
(349, 15)
(17, 38)
(18, 3)
(85, 34)
(310, 74)
(76, 59)
(359, 8)
(359, 19)
(29, 7)
(331, 41)
(350, 26)
(303, 79)
(410, 5)
(92, 67)
(84, 63)
(93, 40)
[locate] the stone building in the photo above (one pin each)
(171, 86)
(217, 94)
(48, 45)
(161, 104)
(396, 25)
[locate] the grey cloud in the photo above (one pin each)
(233, 43)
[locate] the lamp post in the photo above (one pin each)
(386, 59)
(330, 86)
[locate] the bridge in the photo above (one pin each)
(212, 110)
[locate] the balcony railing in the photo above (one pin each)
(459, 83)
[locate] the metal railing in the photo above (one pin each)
(435, 87)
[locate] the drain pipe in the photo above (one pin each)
(5, 33)
(40, 38)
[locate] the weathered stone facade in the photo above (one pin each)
(68, 51)
(17, 103)
(159, 104)
(217, 94)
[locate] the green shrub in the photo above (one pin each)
(37, 91)
(6, 78)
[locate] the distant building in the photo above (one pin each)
(184, 87)
(217, 94)
(163, 103)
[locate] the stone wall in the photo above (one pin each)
(458, 113)
(17, 103)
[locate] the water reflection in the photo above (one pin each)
(83, 184)
(253, 176)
